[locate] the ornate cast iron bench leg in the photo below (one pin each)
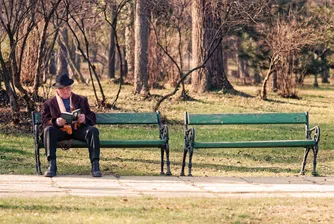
(190, 165)
(315, 153)
(185, 151)
(168, 173)
(165, 136)
(162, 161)
(37, 159)
(307, 150)
(191, 149)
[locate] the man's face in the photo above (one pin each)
(64, 92)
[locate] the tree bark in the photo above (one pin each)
(73, 66)
(62, 65)
(204, 29)
(14, 105)
(141, 47)
(112, 53)
(129, 30)
(198, 77)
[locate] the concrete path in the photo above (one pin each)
(160, 186)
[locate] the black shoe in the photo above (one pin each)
(96, 169)
(52, 170)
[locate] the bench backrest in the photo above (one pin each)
(116, 118)
(234, 119)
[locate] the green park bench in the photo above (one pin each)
(114, 119)
(250, 119)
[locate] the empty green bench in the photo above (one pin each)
(190, 142)
(115, 119)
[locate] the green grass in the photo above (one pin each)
(17, 151)
(150, 210)
(17, 157)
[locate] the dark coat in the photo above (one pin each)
(51, 111)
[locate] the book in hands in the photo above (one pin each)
(70, 117)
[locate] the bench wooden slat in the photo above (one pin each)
(271, 118)
(255, 144)
(117, 118)
(114, 143)
(127, 118)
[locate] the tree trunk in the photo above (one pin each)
(70, 61)
(205, 27)
(315, 84)
(129, 57)
(198, 77)
(325, 76)
(14, 105)
(263, 94)
(62, 65)
(274, 86)
(141, 47)
(14, 69)
(111, 56)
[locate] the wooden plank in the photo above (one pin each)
(267, 118)
(126, 118)
(255, 144)
(115, 144)
(117, 118)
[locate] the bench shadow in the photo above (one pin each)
(292, 103)
(244, 169)
(149, 161)
(268, 158)
(16, 151)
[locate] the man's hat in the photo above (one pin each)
(62, 81)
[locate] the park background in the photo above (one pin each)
(172, 56)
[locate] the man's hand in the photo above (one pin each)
(81, 118)
(60, 122)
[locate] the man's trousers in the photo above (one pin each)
(86, 133)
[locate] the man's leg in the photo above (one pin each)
(90, 135)
(51, 136)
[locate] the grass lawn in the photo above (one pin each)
(17, 151)
(17, 157)
(151, 210)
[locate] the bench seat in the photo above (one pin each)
(256, 144)
(111, 144)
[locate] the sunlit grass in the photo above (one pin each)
(17, 149)
(152, 210)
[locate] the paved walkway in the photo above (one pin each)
(160, 186)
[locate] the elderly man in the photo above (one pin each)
(56, 129)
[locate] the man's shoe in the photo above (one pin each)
(96, 169)
(52, 170)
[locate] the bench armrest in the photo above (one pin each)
(164, 135)
(316, 130)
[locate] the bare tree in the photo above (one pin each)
(48, 9)
(65, 58)
(231, 17)
(80, 14)
(170, 21)
(115, 12)
(285, 39)
(17, 19)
